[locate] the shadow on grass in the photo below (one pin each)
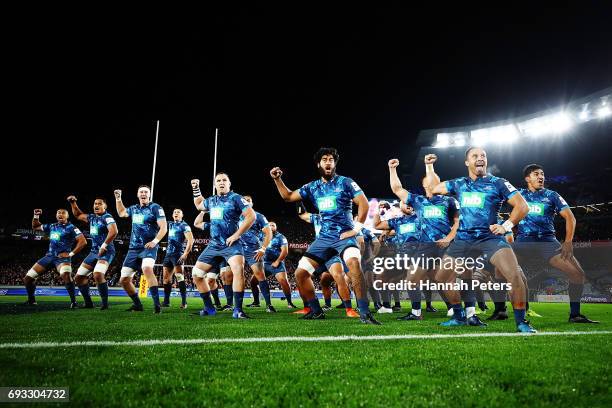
(42, 307)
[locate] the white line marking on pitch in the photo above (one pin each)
(160, 342)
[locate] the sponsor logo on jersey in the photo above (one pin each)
(327, 203)
(55, 236)
(138, 218)
(216, 213)
(536, 209)
(407, 228)
(473, 200)
(433, 211)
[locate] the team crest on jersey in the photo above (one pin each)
(138, 218)
(327, 203)
(473, 200)
(433, 211)
(407, 228)
(55, 236)
(536, 208)
(216, 213)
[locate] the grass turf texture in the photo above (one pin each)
(487, 371)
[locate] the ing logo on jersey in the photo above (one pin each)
(93, 230)
(327, 203)
(138, 218)
(55, 236)
(433, 211)
(473, 200)
(536, 208)
(407, 228)
(216, 213)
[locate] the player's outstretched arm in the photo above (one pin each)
(76, 211)
(119, 204)
(36, 224)
(287, 195)
(431, 178)
(396, 184)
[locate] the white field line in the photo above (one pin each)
(161, 342)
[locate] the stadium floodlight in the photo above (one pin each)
(499, 134)
(442, 140)
(584, 114)
(550, 124)
(604, 111)
(450, 139)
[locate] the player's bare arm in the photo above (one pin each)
(396, 184)
(287, 195)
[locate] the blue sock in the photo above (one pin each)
(70, 289)
(84, 289)
(575, 294)
(364, 306)
(31, 289)
(469, 296)
(574, 308)
(458, 312)
(103, 290)
(265, 291)
(238, 297)
(183, 289)
(215, 295)
(328, 302)
(229, 294)
(314, 305)
(155, 294)
(347, 304)
(206, 299)
(136, 299)
(519, 315)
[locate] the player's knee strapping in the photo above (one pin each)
(179, 277)
(351, 252)
(197, 273)
(82, 271)
(65, 269)
(127, 272)
(101, 268)
(306, 265)
(32, 274)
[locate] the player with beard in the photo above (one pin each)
(536, 232)
(176, 254)
(480, 197)
(226, 228)
(333, 196)
(149, 226)
(102, 230)
(62, 236)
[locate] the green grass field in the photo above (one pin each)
(479, 371)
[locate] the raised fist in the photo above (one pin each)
(393, 163)
(37, 211)
(195, 183)
(276, 173)
(71, 198)
(117, 194)
(430, 158)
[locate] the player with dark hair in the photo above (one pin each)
(149, 226)
(62, 236)
(102, 230)
(333, 196)
(226, 228)
(439, 221)
(480, 197)
(254, 251)
(274, 261)
(176, 254)
(536, 232)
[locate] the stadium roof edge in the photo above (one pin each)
(427, 136)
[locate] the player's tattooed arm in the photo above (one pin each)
(76, 211)
(121, 210)
(431, 178)
(287, 195)
(396, 184)
(36, 224)
(567, 248)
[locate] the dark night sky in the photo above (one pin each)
(279, 83)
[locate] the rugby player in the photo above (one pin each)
(176, 253)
